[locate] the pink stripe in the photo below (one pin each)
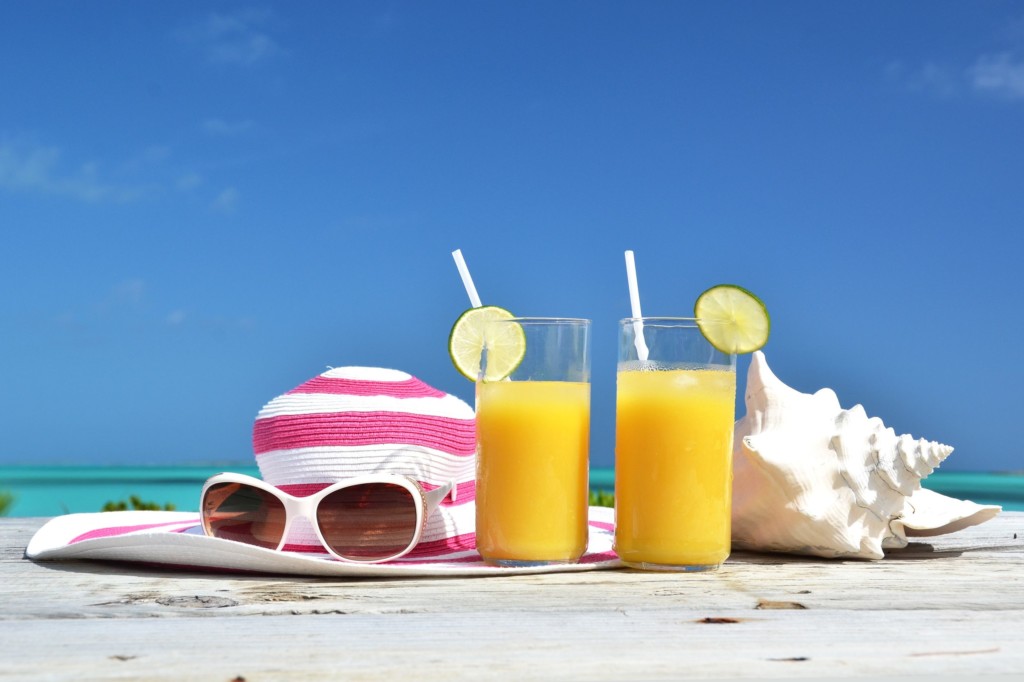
(457, 543)
(470, 559)
(435, 548)
(465, 491)
(302, 489)
(594, 558)
(121, 530)
(454, 436)
(410, 388)
(598, 556)
(305, 549)
(425, 553)
(603, 525)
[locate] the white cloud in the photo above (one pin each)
(28, 167)
(998, 74)
(936, 79)
(226, 201)
(126, 307)
(130, 291)
(155, 154)
(189, 181)
(931, 78)
(236, 38)
(124, 300)
(175, 318)
(218, 126)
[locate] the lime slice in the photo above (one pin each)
(732, 319)
(467, 339)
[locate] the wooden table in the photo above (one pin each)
(954, 606)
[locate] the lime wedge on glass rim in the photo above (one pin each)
(469, 335)
(732, 319)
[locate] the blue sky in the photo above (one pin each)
(203, 205)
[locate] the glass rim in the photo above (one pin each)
(543, 320)
(688, 321)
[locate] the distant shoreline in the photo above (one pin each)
(49, 490)
(248, 464)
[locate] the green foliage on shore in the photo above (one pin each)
(6, 502)
(602, 498)
(137, 504)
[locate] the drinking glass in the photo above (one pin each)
(533, 437)
(673, 446)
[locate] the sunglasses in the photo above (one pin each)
(367, 519)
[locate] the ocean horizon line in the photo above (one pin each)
(251, 464)
(50, 490)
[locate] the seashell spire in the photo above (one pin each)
(813, 478)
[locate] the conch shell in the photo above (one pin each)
(813, 478)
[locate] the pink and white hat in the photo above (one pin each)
(346, 422)
(358, 421)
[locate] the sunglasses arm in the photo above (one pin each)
(434, 497)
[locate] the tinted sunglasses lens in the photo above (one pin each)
(368, 522)
(240, 512)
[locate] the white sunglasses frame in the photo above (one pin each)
(426, 502)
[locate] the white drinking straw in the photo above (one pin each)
(634, 304)
(467, 280)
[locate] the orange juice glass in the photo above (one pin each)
(533, 436)
(673, 447)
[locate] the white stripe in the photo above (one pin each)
(322, 403)
(326, 464)
(366, 374)
(447, 556)
(449, 522)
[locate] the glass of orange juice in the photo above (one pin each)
(533, 438)
(674, 418)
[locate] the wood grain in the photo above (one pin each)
(951, 607)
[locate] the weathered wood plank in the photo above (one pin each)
(952, 606)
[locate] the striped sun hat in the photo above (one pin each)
(357, 421)
(349, 421)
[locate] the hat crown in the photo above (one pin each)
(356, 421)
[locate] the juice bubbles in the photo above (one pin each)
(532, 471)
(675, 406)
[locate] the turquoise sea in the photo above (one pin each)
(53, 490)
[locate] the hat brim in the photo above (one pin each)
(175, 539)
